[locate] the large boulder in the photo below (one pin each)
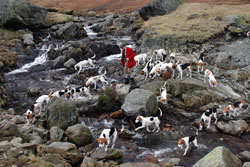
(70, 30)
(235, 127)
(138, 164)
(219, 157)
(111, 154)
(60, 112)
(20, 14)
(246, 164)
(158, 7)
(66, 150)
(79, 135)
(56, 133)
(90, 162)
(87, 106)
(140, 102)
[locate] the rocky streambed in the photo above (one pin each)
(65, 134)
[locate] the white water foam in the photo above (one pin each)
(89, 31)
(39, 60)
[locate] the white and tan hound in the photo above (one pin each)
(80, 66)
(93, 80)
(105, 138)
(234, 107)
(207, 116)
(211, 79)
(186, 141)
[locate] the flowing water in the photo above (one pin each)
(162, 145)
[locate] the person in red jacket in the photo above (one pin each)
(128, 62)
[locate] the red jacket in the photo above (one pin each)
(130, 54)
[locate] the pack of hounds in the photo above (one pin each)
(156, 65)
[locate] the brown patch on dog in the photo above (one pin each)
(190, 66)
(167, 75)
(174, 66)
(67, 95)
(138, 118)
(200, 64)
(37, 107)
(202, 123)
(159, 71)
(142, 72)
(30, 116)
(117, 114)
(181, 141)
(101, 141)
(241, 101)
(164, 100)
(155, 52)
(226, 110)
(214, 83)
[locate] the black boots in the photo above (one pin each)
(132, 81)
(126, 81)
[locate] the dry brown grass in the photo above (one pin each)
(199, 29)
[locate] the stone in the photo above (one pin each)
(70, 63)
(20, 14)
(56, 133)
(246, 164)
(245, 156)
(138, 164)
(89, 162)
(111, 154)
(140, 102)
(54, 18)
(70, 30)
(234, 127)
(91, 13)
(28, 39)
(231, 19)
(60, 112)
(5, 146)
(18, 119)
(122, 91)
(33, 91)
(169, 162)
(79, 135)
(219, 157)
(151, 158)
(66, 150)
(87, 106)
(126, 134)
(158, 7)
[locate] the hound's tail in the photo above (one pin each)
(93, 56)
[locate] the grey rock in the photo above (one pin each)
(245, 156)
(20, 14)
(122, 91)
(87, 106)
(111, 154)
(28, 39)
(56, 133)
(91, 13)
(70, 30)
(66, 150)
(158, 7)
(60, 112)
(140, 102)
(138, 164)
(246, 164)
(70, 63)
(228, 37)
(231, 19)
(5, 146)
(79, 135)
(56, 160)
(219, 157)
(33, 91)
(18, 119)
(233, 127)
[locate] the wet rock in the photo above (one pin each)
(70, 63)
(58, 62)
(87, 106)
(96, 28)
(20, 14)
(153, 86)
(246, 164)
(231, 19)
(151, 158)
(70, 30)
(233, 127)
(28, 39)
(220, 156)
(158, 7)
(5, 146)
(140, 102)
(90, 162)
(111, 154)
(170, 162)
(79, 135)
(56, 133)
(18, 119)
(245, 156)
(235, 30)
(60, 112)
(126, 134)
(122, 91)
(66, 150)
(75, 53)
(33, 91)
(91, 13)
(138, 164)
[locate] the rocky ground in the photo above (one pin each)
(64, 135)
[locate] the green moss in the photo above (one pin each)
(108, 100)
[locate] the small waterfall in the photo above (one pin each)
(89, 31)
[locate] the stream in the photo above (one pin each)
(37, 72)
